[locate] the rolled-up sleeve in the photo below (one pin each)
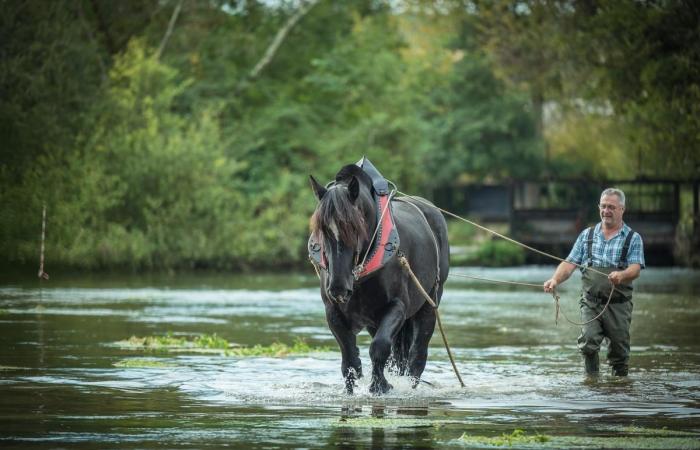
(636, 251)
(578, 252)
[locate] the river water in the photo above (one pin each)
(64, 384)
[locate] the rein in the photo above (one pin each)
(555, 296)
(357, 270)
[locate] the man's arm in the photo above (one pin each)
(625, 276)
(563, 272)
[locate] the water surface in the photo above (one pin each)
(60, 387)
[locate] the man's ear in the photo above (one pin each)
(319, 191)
(354, 189)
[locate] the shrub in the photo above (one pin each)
(500, 254)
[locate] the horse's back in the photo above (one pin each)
(405, 210)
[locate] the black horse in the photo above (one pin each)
(345, 229)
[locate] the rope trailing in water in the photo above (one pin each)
(407, 267)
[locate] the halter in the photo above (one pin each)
(384, 243)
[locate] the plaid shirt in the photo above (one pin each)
(607, 253)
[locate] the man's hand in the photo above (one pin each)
(561, 274)
(550, 284)
(615, 277)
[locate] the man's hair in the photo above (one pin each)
(615, 191)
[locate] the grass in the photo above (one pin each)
(518, 438)
(277, 349)
(642, 438)
(382, 422)
(212, 343)
(142, 363)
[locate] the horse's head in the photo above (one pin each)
(343, 222)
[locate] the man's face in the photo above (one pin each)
(611, 211)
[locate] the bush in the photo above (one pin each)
(500, 254)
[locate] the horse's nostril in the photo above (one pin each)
(340, 294)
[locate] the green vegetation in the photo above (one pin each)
(490, 253)
(277, 349)
(517, 438)
(215, 344)
(461, 233)
(383, 422)
(500, 253)
(648, 439)
(155, 150)
(142, 363)
(656, 431)
(202, 344)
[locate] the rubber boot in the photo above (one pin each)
(620, 371)
(592, 364)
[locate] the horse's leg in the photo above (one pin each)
(401, 347)
(351, 366)
(423, 326)
(380, 349)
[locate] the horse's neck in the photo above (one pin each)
(370, 210)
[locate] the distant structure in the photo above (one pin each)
(549, 214)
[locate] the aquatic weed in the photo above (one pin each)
(277, 349)
(142, 363)
(212, 343)
(382, 422)
(517, 437)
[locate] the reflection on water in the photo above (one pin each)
(59, 385)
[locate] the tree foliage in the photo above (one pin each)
(181, 159)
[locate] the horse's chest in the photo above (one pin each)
(365, 311)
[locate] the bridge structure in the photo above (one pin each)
(549, 214)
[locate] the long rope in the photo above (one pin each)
(495, 233)
(407, 267)
(405, 264)
(555, 296)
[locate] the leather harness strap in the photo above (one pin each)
(622, 264)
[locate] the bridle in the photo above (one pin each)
(359, 267)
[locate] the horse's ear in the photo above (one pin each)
(319, 190)
(354, 189)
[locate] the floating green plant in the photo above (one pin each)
(383, 422)
(142, 363)
(657, 432)
(518, 438)
(277, 349)
(174, 343)
(645, 439)
(211, 343)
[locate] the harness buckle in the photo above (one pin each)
(357, 271)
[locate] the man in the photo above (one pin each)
(613, 248)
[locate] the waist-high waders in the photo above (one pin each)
(614, 323)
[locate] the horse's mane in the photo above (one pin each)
(352, 170)
(337, 208)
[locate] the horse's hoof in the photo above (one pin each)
(349, 386)
(380, 387)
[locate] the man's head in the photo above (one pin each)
(611, 207)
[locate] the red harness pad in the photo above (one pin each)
(386, 242)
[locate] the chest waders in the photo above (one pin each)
(615, 323)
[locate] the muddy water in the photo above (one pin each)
(59, 386)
